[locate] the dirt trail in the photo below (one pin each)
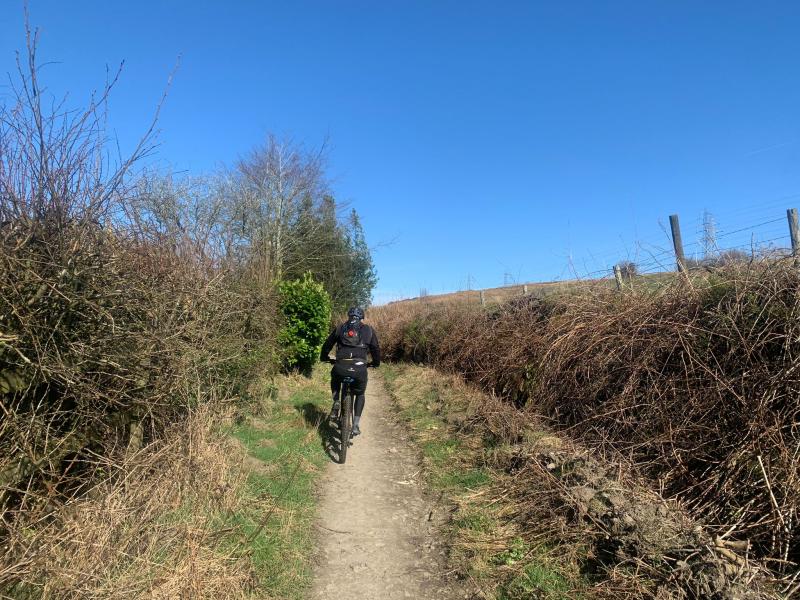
(376, 531)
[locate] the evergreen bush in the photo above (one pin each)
(306, 310)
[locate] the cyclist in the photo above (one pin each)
(353, 340)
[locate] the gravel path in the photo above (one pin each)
(377, 531)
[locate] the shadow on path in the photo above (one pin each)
(328, 434)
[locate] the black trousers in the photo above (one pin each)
(358, 387)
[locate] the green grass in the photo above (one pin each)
(538, 580)
(449, 470)
(279, 509)
(463, 479)
(475, 521)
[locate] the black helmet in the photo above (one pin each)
(355, 313)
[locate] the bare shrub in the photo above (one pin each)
(695, 383)
(628, 269)
(732, 257)
(120, 310)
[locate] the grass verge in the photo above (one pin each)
(284, 457)
(210, 511)
(487, 546)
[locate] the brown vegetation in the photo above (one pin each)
(120, 311)
(132, 305)
(510, 292)
(539, 514)
(153, 530)
(695, 385)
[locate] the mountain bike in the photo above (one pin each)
(344, 419)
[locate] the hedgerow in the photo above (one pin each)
(129, 302)
(696, 384)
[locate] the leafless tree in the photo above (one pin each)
(54, 163)
(268, 194)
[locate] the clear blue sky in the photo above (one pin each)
(475, 138)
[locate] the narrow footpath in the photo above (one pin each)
(377, 531)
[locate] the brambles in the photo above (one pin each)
(695, 383)
(550, 519)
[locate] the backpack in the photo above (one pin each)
(351, 335)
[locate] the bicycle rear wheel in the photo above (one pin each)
(345, 423)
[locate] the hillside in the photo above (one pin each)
(544, 289)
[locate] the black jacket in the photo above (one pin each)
(369, 337)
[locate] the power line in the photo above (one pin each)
(753, 208)
(712, 238)
(751, 227)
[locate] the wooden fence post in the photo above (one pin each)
(135, 435)
(483, 299)
(677, 243)
(525, 289)
(618, 277)
(794, 231)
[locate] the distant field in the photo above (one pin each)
(540, 290)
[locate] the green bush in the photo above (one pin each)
(306, 310)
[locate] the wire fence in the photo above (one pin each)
(743, 234)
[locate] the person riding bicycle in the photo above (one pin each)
(353, 340)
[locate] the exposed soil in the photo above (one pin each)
(377, 530)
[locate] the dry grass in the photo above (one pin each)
(150, 526)
(694, 384)
(549, 520)
(510, 292)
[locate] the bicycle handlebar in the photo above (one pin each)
(333, 362)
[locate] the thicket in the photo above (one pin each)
(120, 310)
(536, 515)
(129, 298)
(695, 384)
